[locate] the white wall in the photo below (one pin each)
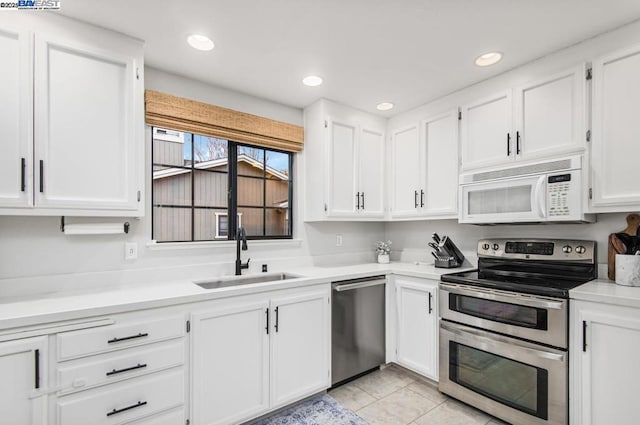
(34, 246)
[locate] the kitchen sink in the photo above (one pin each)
(230, 281)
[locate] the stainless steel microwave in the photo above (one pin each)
(549, 191)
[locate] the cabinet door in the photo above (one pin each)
(406, 159)
(230, 363)
(606, 371)
(616, 131)
(486, 132)
(86, 141)
(300, 346)
(371, 173)
(16, 118)
(550, 115)
(441, 167)
(23, 370)
(417, 325)
(342, 169)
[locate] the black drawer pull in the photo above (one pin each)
(124, 409)
(23, 166)
(430, 307)
(126, 338)
(138, 366)
(41, 176)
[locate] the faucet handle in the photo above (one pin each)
(245, 265)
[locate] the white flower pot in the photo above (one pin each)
(383, 258)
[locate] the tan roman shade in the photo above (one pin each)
(177, 113)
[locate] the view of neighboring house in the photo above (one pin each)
(263, 192)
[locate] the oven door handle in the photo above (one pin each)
(492, 295)
(481, 337)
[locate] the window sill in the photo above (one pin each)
(223, 245)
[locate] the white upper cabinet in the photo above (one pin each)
(16, 118)
(616, 132)
(486, 131)
(85, 133)
(550, 115)
(343, 163)
(540, 119)
(425, 168)
(72, 99)
(405, 172)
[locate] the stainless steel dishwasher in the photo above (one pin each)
(358, 327)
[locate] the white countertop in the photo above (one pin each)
(73, 304)
(608, 292)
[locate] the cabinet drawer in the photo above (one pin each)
(175, 417)
(112, 367)
(124, 401)
(89, 341)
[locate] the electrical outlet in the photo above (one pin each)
(338, 240)
(130, 250)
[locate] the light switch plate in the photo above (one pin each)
(130, 250)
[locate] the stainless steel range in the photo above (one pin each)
(504, 330)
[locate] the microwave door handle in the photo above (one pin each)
(540, 197)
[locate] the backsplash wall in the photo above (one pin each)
(414, 235)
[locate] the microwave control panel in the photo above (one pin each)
(558, 189)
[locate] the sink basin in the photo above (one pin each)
(227, 282)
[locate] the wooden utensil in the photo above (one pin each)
(617, 245)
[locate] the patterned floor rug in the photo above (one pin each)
(320, 410)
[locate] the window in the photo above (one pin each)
(199, 182)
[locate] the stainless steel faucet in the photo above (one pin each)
(241, 236)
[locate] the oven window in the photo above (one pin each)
(515, 384)
(496, 311)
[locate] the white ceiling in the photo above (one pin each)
(368, 51)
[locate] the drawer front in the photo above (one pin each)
(175, 417)
(97, 340)
(112, 367)
(124, 401)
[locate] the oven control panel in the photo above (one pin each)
(538, 249)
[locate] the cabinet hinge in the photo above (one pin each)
(589, 75)
(138, 196)
(588, 135)
(459, 115)
(326, 124)
(590, 193)
(188, 326)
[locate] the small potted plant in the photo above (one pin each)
(383, 249)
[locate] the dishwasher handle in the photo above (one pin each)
(341, 287)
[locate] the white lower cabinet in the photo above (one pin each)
(417, 325)
(24, 373)
(255, 353)
(605, 370)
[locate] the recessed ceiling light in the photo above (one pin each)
(200, 42)
(312, 81)
(384, 106)
(488, 59)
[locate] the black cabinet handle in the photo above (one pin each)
(421, 198)
(430, 307)
(266, 328)
(362, 200)
(41, 176)
(277, 321)
(517, 142)
(37, 368)
(23, 166)
(508, 144)
(127, 338)
(358, 200)
(415, 198)
(584, 336)
(124, 409)
(128, 369)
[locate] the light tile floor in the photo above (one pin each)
(396, 396)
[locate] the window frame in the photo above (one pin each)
(235, 217)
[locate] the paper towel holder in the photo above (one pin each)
(62, 226)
